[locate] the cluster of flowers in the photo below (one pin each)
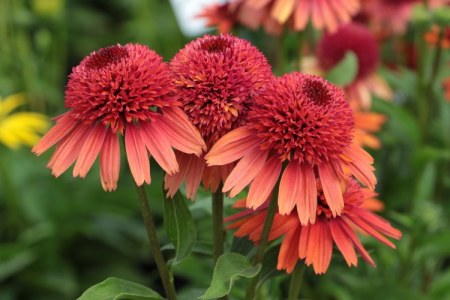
(217, 116)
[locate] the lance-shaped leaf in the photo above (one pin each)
(345, 71)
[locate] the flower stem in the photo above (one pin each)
(164, 273)
(264, 241)
(217, 223)
(295, 283)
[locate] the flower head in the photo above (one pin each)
(302, 122)
(314, 242)
(217, 78)
(350, 37)
(19, 128)
(120, 90)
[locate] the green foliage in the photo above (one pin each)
(345, 71)
(119, 289)
(229, 268)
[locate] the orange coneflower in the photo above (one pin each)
(367, 123)
(305, 123)
(274, 14)
(314, 242)
(217, 78)
(355, 38)
(120, 90)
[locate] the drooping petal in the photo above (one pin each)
(359, 247)
(245, 171)
(68, 150)
(110, 161)
(370, 230)
(344, 244)
(307, 202)
(194, 176)
(63, 127)
(288, 255)
(89, 151)
(301, 15)
(320, 247)
(173, 182)
(264, 183)
(138, 158)
(282, 9)
(378, 223)
(232, 146)
(290, 190)
(331, 188)
(158, 146)
(360, 166)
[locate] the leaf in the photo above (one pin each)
(119, 289)
(345, 71)
(229, 267)
(426, 184)
(179, 226)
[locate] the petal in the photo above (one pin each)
(359, 247)
(331, 188)
(138, 159)
(90, 150)
(301, 15)
(282, 9)
(289, 192)
(194, 176)
(360, 166)
(180, 137)
(344, 244)
(110, 161)
(68, 150)
(370, 230)
(320, 247)
(173, 182)
(232, 146)
(288, 255)
(264, 183)
(212, 177)
(379, 223)
(245, 171)
(307, 202)
(63, 127)
(159, 147)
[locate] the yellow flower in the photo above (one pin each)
(20, 128)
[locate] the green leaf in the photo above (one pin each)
(229, 268)
(179, 226)
(345, 71)
(119, 289)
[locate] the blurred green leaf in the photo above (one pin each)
(426, 183)
(179, 226)
(229, 268)
(119, 289)
(345, 71)
(14, 259)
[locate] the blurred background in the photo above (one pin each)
(60, 236)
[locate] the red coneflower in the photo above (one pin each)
(274, 14)
(120, 90)
(358, 39)
(217, 78)
(314, 242)
(306, 123)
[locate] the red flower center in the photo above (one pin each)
(106, 56)
(303, 117)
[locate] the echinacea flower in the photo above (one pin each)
(314, 242)
(356, 38)
(19, 128)
(217, 78)
(305, 123)
(120, 91)
(274, 14)
(366, 124)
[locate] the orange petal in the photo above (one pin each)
(320, 247)
(290, 190)
(138, 158)
(264, 183)
(173, 182)
(63, 127)
(359, 247)
(331, 188)
(344, 244)
(194, 176)
(90, 150)
(301, 15)
(288, 255)
(307, 202)
(282, 9)
(110, 162)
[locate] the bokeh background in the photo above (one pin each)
(60, 236)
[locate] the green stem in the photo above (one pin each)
(436, 59)
(264, 241)
(296, 283)
(164, 273)
(217, 223)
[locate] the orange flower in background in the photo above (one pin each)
(314, 242)
(432, 37)
(274, 14)
(368, 123)
(223, 16)
(305, 123)
(217, 78)
(355, 38)
(120, 90)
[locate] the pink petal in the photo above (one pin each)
(68, 150)
(301, 15)
(110, 161)
(344, 244)
(317, 18)
(159, 147)
(245, 171)
(90, 150)
(264, 183)
(138, 159)
(63, 127)
(331, 188)
(232, 146)
(307, 202)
